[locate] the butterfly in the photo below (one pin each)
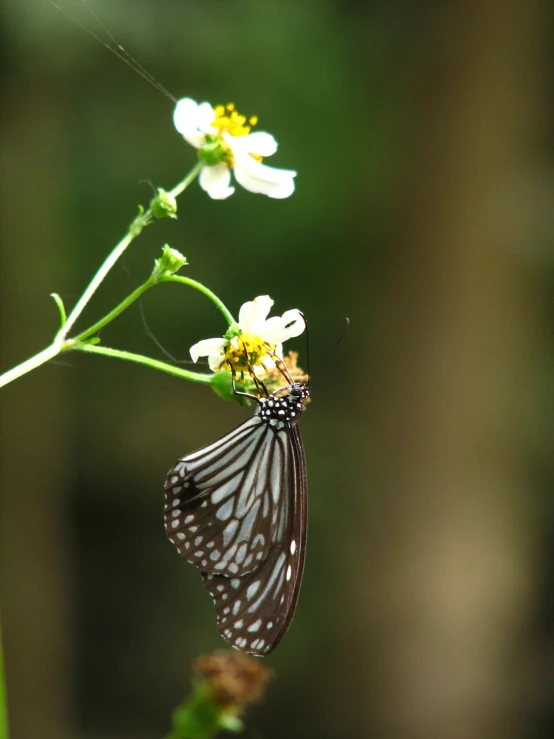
(237, 510)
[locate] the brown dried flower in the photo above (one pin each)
(233, 678)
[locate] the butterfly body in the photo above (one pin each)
(237, 510)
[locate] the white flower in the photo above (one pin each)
(257, 341)
(223, 137)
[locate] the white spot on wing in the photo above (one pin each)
(241, 552)
(225, 511)
(229, 531)
(252, 589)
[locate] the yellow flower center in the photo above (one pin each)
(245, 351)
(229, 120)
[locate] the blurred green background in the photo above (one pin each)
(422, 133)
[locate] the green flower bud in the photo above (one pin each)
(170, 262)
(222, 385)
(164, 205)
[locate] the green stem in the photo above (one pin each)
(116, 311)
(60, 345)
(148, 361)
(192, 175)
(95, 282)
(32, 363)
(208, 293)
(3, 697)
(134, 230)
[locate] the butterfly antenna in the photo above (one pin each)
(307, 347)
(116, 48)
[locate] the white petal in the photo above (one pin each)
(185, 119)
(252, 315)
(257, 177)
(206, 116)
(260, 143)
(215, 360)
(215, 181)
(208, 348)
(287, 326)
(185, 114)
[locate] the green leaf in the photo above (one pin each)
(61, 308)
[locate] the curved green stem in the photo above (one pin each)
(148, 361)
(129, 300)
(208, 293)
(135, 229)
(192, 175)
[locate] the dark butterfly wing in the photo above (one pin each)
(254, 611)
(223, 501)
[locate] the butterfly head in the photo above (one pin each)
(284, 406)
(299, 391)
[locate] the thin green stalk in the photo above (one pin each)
(32, 363)
(148, 361)
(109, 262)
(192, 175)
(129, 300)
(208, 293)
(134, 230)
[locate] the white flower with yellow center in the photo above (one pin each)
(225, 143)
(255, 341)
